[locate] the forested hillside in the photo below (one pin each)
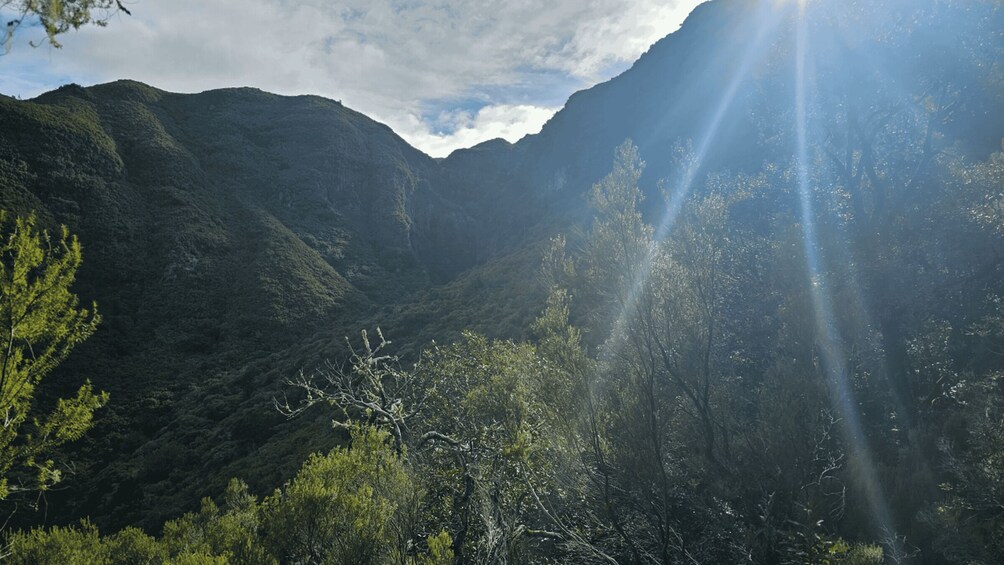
(742, 303)
(233, 238)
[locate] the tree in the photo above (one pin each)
(480, 420)
(56, 16)
(619, 244)
(350, 506)
(40, 323)
(355, 505)
(662, 362)
(372, 384)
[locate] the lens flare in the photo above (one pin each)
(767, 22)
(800, 3)
(832, 358)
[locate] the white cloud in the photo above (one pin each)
(463, 129)
(397, 61)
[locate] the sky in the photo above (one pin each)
(444, 74)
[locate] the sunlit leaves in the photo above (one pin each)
(40, 323)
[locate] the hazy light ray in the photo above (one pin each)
(834, 366)
(768, 22)
(861, 300)
(769, 19)
(833, 49)
(686, 181)
(892, 82)
(726, 54)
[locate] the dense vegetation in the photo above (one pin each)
(780, 340)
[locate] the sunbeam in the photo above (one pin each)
(856, 66)
(834, 365)
(768, 20)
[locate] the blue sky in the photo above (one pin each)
(442, 74)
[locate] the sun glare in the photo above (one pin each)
(832, 356)
(785, 3)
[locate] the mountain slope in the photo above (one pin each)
(223, 232)
(722, 86)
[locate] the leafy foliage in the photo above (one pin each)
(353, 505)
(57, 16)
(41, 323)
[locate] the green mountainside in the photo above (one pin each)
(234, 237)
